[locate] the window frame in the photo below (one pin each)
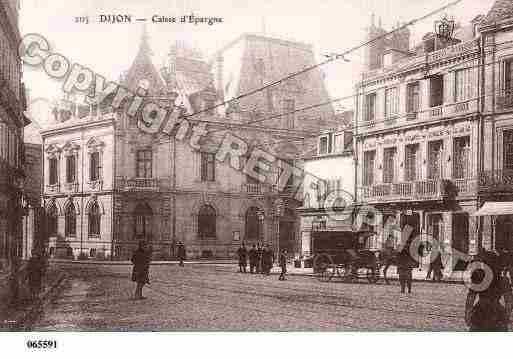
(392, 102)
(369, 180)
(390, 175)
(71, 171)
(147, 172)
(70, 221)
(53, 171)
(94, 221)
(441, 92)
(207, 167)
(94, 170)
(374, 96)
(409, 107)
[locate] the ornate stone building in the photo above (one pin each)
(160, 188)
(433, 133)
(417, 135)
(12, 121)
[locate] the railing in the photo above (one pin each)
(53, 188)
(437, 111)
(505, 100)
(137, 184)
(454, 50)
(406, 191)
(496, 180)
(257, 188)
(464, 185)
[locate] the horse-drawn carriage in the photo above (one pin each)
(342, 254)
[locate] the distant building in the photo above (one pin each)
(330, 186)
(109, 185)
(12, 121)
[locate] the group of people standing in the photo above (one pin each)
(261, 259)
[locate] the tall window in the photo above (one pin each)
(410, 162)
(436, 87)
(70, 223)
(52, 169)
(413, 97)
(208, 167)
(462, 85)
(391, 102)
(142, 220)
(370, 107)
(71, 169)
(288, 107)
(461, 157)
(253, 224)
(368, 167)
(52, 220)
(389, 165)
(144, 163)
(207, 222)
(507, 150)
(94, 220)
(323, 145)
(435, 150)
(94, 166)
(508, 76)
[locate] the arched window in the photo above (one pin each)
(94, 220)
(142, 220)
(52, 220)
(70, 224)
(254, 218)
(207, 222)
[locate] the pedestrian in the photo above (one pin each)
(253, 259)
(260, 252)
(181, 253)
(243, 257)
(267, 260)
(35, 273)
(435, 266)
(404, 269)
(140, 272)
(283, 264)
(488, 314)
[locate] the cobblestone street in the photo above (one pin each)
(214, 297)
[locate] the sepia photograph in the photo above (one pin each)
(258, 167)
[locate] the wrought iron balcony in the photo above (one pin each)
(141, 184)
(426, 190)
(505, 100)
(496, 180)
(258, 188)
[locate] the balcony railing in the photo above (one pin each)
(407, 191)
(505, 100)
(465, 185)
(258, 188)
(71, 187)
(141, 184)
(497, 180)
(437, 111)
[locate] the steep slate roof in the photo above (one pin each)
(143, 68)
(501, 10)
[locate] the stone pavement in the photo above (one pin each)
(217, 297)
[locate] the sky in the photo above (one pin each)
(329, 25)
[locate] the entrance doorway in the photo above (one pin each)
(287, 231)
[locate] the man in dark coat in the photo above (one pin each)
(181, 252)
(140, 272)
(283, 264)
(243, 258)
(35, 273)
(260, 251)
(267, 260)
(253, 259)
(435, 267)
(405, 266)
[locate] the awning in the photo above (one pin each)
(495, 209)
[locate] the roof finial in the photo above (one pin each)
(379, 22)
(372, 19)
(144, 47)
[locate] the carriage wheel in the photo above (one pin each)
(373, 274)
(324, 267)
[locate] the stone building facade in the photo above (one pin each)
(12, 121)
(159, 187)
(431, 134)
